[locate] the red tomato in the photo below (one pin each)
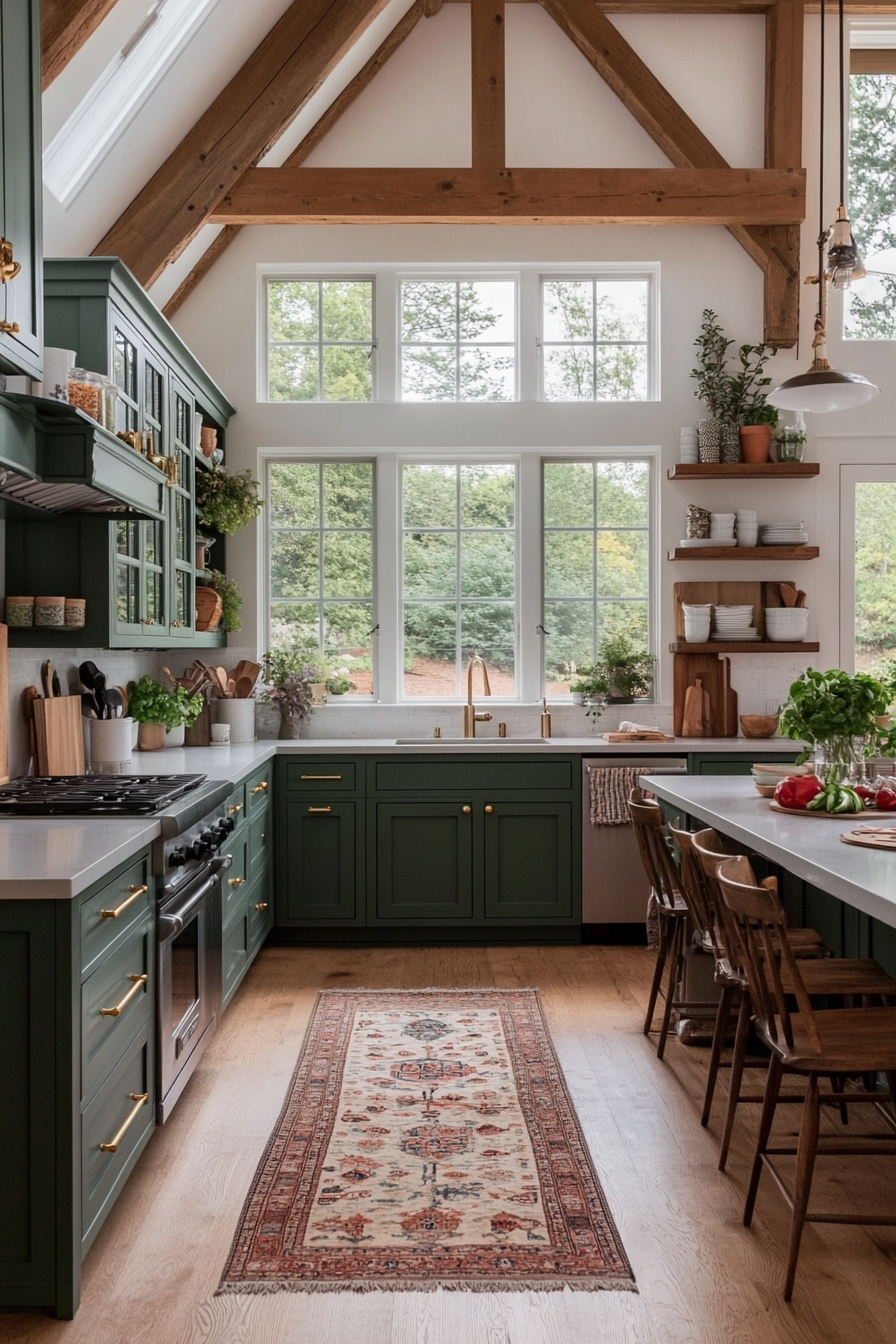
(885, 800)
(866, 794)
(796, 790)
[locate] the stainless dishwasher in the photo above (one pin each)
(614, 884)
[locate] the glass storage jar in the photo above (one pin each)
(85, 390)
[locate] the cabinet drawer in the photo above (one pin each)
(236, 806)
(507, 775)
(236, 877)
(235, 952)
(321, 777)
(116, 1116)
(261, 914)
(109, 912)
(116, 984)
(260, 844)
(258, 792)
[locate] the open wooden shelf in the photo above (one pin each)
(744, 646)
(744, 553)
(740, 471)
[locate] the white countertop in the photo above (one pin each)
(810, 846)
(56, 860)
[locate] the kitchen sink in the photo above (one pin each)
(471, 741)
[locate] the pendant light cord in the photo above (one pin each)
(821, 135)
(842, 111)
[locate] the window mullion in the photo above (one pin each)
(529, 681)
(458, 626)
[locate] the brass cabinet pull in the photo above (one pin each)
(237, 807)
(262, 905)
(140, 1099)
(137, 983)
(133, 893)
(320, 776)
(466, 808)
(320, 809)
(235, 881)
(260, 788)
(489, 808)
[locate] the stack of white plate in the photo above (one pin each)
(707, 541)
(721, 526)
(746, 526)
(783, 534)
(733, 623)
(786, 625)
(689, 451)
(697, 619)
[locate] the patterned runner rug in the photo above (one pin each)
(427, 1140)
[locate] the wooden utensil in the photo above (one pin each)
(788, 594)
(695, 722)
(220, 676)
(125, 700)
(59, 736)
(29, 695)
(801, 598)
(244, 688)
(171, 677)
(46, 673)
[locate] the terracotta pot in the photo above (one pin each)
(755, 441)
(151, 737)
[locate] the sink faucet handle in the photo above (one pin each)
(437, 732)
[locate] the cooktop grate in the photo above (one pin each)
(93, 795)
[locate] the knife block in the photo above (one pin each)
(59, 736)
(200, 730)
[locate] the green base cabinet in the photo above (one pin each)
(248, 907)
(423, 862)
(321, 848)
(528, 861)
(739, 763)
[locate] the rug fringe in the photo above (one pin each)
(432, 1286)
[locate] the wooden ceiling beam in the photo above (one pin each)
(487, 81)
(514, 196)
(241, 125)
(65, 26)
(321, 128)
(784, 27)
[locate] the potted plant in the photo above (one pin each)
(712, 384)
(838, 716)
(588, 683)
(289, 677)
(340, 683)
(736, 401)
(231, 600)
(791, 444)
(627, 667)
(159, 711)
(228, 502)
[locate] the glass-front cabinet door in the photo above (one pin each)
(140, 604)
(182, 544)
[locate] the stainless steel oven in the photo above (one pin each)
(189, 952)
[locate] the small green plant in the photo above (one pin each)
(149, 702)
(228, 502)
(735, 397)
(339, 685)
(289, 676)
(712, 353)
(587, 680)
(231, 600)
(627, 667)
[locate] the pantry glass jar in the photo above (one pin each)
(85, 390)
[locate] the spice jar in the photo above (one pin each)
(19, 611)
(110, 398)
(49, 611)
(85, 390)
(75, 612)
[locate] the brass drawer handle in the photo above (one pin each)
(140, 1099)
(489, 808)
(235, 881)
(466, 808)
(260, 788)
(137, 983)
(320, 776)
(320, 809)
(262, 905)
(133, 893)
(237, 807)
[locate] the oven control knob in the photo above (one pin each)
(177, 858)
(229, 824)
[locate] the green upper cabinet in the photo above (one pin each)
(137, 574)
(21, 307)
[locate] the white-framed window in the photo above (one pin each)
(458, 338)
(458, 575)
(408, 564)
(321, 562)
(597, 341)
(321, 338)
(869, 309)
(867, 565)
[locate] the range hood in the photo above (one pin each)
(56, 459)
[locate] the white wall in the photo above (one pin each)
(700, 267)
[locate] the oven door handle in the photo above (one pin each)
(174, 917)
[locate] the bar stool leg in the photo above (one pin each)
(736, 1077)
(807, 1148)
(770, 1101)
(676, 960)
(661, 954)
(718, 1045)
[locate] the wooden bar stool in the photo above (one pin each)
(651, 833)
(810, 1044)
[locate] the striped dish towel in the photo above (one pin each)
(610, 788)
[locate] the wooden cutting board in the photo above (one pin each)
(637, 737)
(885, 841)
(59, 735)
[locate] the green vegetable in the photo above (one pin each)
(148, 702)
(228, 502)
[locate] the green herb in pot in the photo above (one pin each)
(148, 702)
(228, 502)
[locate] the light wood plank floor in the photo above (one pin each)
(703, 1279)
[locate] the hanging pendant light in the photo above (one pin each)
(822, 388)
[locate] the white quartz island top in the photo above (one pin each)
(58, 859)
(810, 846)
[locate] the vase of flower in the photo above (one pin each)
(289, 673)
(290, 726)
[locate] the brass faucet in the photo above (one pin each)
(471, 718)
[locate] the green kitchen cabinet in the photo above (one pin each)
(137, 574)
(321, 854)
(248, 907)
(735, 763)
(423, 861)
(528, 860)
(21, 184)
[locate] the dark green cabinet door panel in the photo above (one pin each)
(528, 861)
(452, 775)
(21, 303)
(424, 861)
(322, 877)
(741, 764)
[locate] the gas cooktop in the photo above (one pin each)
(93, 795)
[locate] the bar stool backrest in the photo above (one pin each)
(759, 916)
(710, 848)
(650, 832)
(697, 891)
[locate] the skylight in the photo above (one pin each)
(117, 96)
